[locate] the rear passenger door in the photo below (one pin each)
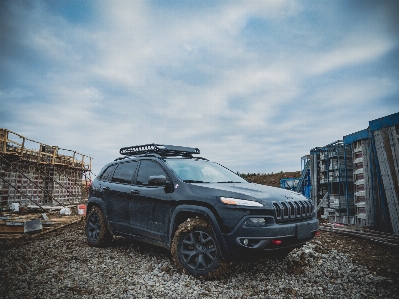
(119, 193)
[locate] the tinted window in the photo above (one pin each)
(102, 171)
(124, 172)
(200, 171)
(147, 169)
(107, 174)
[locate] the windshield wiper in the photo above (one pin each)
(193, 181)
(229, 182)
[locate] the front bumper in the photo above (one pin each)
(242, 240)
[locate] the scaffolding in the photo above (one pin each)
(359, 177)
(331, 177)
(35, 174)
(304, 184)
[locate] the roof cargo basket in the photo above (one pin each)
(160, 149)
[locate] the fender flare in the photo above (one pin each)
(207, 213)
(95, 201)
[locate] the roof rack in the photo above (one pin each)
(160, 149)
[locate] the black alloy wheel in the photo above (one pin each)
(97, 232)
(195, 250)
(198, 250)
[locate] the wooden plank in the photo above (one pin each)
(18, 225)
(59, 223)
(11, 229)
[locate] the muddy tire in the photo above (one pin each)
(195, 250)
(97, 232)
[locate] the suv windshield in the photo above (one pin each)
(201, 171)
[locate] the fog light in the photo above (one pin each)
(259, 221)
(245, 242)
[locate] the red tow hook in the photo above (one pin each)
(276, 242)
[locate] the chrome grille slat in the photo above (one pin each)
(290, 210)
(298, 209)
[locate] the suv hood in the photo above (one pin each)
(247, 191)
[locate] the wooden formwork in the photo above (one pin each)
(19, 183)
(14, 144)
(370, 153)
(393, 133)
(386, 141)
(375, 189)
(40, 175)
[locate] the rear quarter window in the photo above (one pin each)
(124, 172)
(106, 175)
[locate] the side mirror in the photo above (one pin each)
(157, 180)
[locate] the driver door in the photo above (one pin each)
(150, 208)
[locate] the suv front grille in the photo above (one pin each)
(292, 210)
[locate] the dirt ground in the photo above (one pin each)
(270, 179)
(380, 259)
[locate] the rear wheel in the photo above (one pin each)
(97, 232)
(195, 250)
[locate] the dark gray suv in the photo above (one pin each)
(202, 212)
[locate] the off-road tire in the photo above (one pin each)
(97, 232)
(195, 250)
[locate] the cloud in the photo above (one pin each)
(254, 84)
(353, 51)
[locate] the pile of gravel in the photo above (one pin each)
(61, 265)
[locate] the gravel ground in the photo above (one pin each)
(60, 265)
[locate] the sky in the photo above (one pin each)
(253, 84)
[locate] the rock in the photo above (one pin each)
(129, 269)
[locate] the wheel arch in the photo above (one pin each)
(98, 202)
(183, 212)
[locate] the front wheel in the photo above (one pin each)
(195, 250)
(97, 232)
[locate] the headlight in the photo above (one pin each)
(240, 202)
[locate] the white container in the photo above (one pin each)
(82, 210)
(15, 206)
(65, 211)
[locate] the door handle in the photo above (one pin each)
(106, 188)
(136, 192)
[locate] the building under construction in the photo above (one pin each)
(356, 180)
(33, 174)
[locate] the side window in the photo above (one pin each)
(107, 174)
(147, 169)
(124, 172)
(101, 172)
